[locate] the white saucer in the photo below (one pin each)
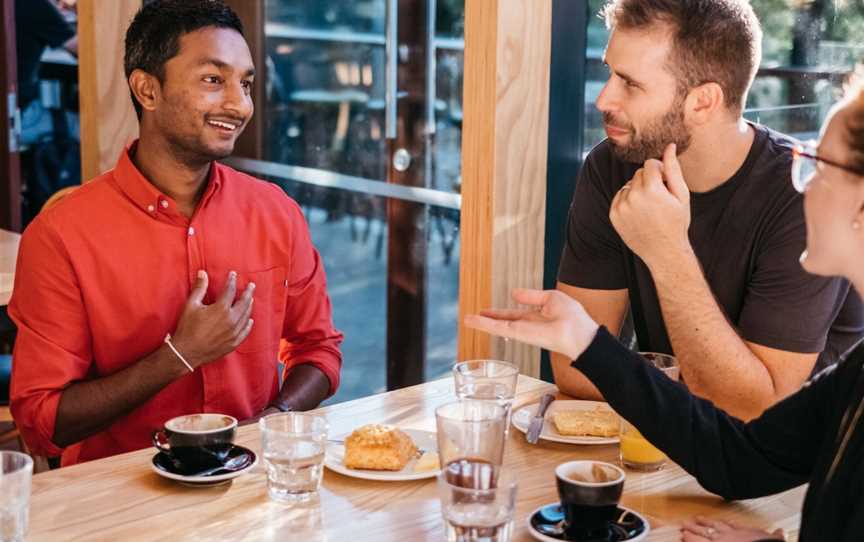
(522, 418)
(425, 440)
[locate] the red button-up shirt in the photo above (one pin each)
(104, 275)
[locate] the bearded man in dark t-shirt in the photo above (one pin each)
(704, 245)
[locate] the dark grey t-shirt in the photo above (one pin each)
(748, 235)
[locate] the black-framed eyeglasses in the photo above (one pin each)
(805, 163)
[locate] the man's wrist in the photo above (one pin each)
(168, 363)
(281, 406)
(671, 259)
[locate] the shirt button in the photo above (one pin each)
(164, 203)
(151, 208)
(191, 230)
(286, 283)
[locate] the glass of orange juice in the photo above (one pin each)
(636, 452)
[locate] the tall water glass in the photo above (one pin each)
(471, 429)
(488, 380)
(16, 471)
(293, 446)
(477, 502)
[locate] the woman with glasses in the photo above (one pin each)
(815, 436)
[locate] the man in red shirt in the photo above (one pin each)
(171, 284)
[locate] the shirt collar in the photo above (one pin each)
(145, 195)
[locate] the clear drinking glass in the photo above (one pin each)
(477, 502)
(293, 446)
(16, 472)
(636, 452)
(487, 380)
(471, 430)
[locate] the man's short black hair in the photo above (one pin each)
(153, 37)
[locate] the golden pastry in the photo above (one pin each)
(378, 447)
(599, 422)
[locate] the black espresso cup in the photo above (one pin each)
(589, 492)
(196, 442)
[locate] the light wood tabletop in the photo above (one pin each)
(9, 241)
(120, 498)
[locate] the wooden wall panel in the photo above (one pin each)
(108, 121)
(504, 148)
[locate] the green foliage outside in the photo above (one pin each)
(842, 22)
(838, 43)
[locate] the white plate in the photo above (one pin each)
(522, 418)
(425, 440)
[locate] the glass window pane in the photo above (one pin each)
(324, 110)
(595, 75)
(442, 291)
(808, 50)
(325, 85)
(443, 224)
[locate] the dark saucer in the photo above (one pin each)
(546, 523)
(238, 461)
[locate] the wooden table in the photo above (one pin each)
(119, 498)
(9, 241)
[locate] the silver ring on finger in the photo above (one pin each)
(710, 532)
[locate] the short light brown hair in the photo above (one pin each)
(717, 41)
(854, 127)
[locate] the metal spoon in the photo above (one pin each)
(553, 529)
(232, 465)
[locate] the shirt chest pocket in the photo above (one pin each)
(268, 308)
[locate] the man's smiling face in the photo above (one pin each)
(206, 100)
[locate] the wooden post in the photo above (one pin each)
(108, 121)
(10, 169)
(253, 15)
(504, 148)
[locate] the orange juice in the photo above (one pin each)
(637, 452)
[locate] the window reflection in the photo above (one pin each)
(324, 109)
(809, 48)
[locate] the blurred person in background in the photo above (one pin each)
(49, 141)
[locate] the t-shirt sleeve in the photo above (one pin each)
(785, 307)
(593, 252)
(44, 20)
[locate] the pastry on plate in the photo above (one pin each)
(378, 447)
(599, 422)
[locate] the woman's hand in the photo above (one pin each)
(710, 530)
(555, 322)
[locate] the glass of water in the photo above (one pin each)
(16, 471)
(293, 445)
(487, 380)
(471, 429)
(477, 502)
